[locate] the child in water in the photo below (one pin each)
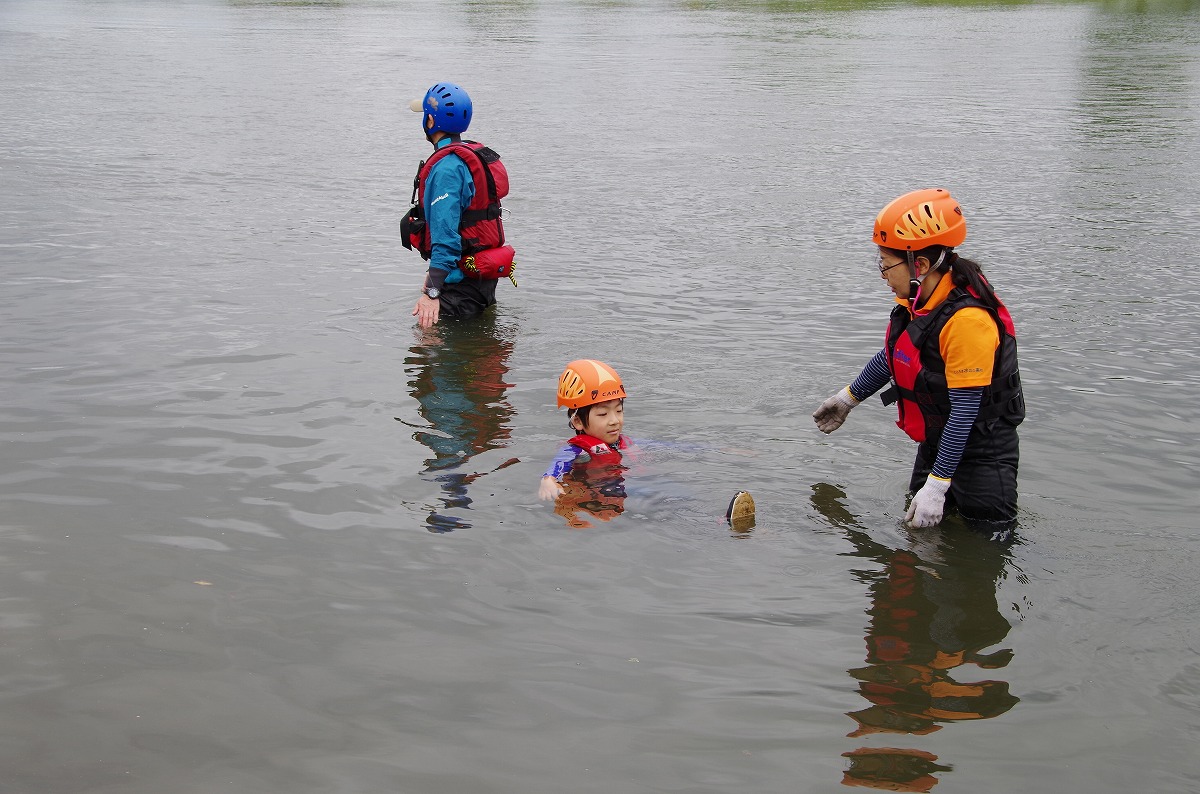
(594, 397)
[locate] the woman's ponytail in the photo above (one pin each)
(967, 273)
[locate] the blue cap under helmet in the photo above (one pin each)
(447, 108)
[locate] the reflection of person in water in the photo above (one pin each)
(457, 377)
(933, 609)
(596, 492)
(891, 769)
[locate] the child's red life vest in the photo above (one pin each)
(484, 254)
(601, 453)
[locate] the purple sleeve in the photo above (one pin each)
(562, 461)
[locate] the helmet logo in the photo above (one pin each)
(433, 103)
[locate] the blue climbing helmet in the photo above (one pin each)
(446, 108)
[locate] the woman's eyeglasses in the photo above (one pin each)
(885, 268)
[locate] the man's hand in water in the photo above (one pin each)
(427, 310)
(549, 489)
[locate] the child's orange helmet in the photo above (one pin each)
(920, 219)
(586, 381)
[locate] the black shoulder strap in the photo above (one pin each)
(417, 183)
(486, 157)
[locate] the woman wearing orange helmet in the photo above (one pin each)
(950, 355)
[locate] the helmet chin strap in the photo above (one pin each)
(915, 283)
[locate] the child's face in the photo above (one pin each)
(604, 422)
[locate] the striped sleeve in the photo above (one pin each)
(964, 407)
(874, 376)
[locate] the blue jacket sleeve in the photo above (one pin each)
(448, 191)
(562, 462)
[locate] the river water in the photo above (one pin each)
(260, 534)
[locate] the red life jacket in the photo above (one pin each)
(602, 454)
(919, 372)
(480, 226)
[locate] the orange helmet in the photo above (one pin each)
(920, 219)
(587, 382)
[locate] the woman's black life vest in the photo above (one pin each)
(919, 373)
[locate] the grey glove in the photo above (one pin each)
(833, 412)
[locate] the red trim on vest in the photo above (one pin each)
(905, 362)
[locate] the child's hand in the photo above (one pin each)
(549, 489)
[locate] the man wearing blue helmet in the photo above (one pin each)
(454, 221)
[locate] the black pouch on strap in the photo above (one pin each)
(412, 227)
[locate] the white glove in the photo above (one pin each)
(833, 412)
(928, 504)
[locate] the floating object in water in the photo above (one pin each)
(740, 513)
